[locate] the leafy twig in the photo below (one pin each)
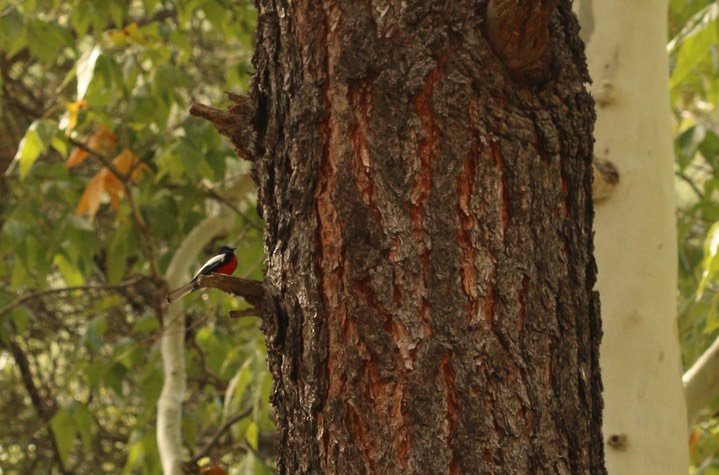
(147, 241)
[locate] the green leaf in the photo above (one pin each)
(45, 40)
(115, 376)
(216, 14)
(83, 423)
(710, 264)
(709, 147)
(69, 270)
(252, 434)
(59, 144)
(694, 42)
(146, 324)
(94, 330)
(236, 388)
(64, 431)
(117, 13)
(12, 34)
(251, 465)
(687, 142)
(117, 253)
(190, 429)
(20, 317)
(36, 140)
(86, 70)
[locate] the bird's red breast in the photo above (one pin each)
(228, 267)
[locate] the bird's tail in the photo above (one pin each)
(181, 292)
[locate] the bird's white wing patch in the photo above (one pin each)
(207, 264)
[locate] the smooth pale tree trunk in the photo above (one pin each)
(645, 418)
(424, 176)
(172, 345)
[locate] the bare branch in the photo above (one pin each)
(235, 123)
(246, 312)
(250, 290)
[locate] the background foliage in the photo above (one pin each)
(103, 173)
(694, 89)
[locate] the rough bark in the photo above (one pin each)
(429, 304)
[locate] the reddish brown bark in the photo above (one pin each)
(426, 194)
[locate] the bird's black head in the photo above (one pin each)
(226, 250)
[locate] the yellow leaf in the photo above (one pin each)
(133, 31)
(117, 37)
(129, 33)
(73, 110)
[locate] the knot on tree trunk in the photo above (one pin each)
(518, 31)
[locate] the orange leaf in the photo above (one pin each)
(127, 161)
(138, 171)
(102, 139)
(114, 189)
(77, 156)
(124, 161)
(693, 440)
(90, 199)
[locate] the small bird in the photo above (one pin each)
(224, 262)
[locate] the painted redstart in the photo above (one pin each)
(224, 262)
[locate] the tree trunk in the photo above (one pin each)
(645, 417)
(424, 176)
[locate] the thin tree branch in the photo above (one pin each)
(245, 312)
(218, 433)
(42, 293)
(148, 242)
(45, 408)
(217, 196)
(691, 184)
(104, 159)
(160, 16)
